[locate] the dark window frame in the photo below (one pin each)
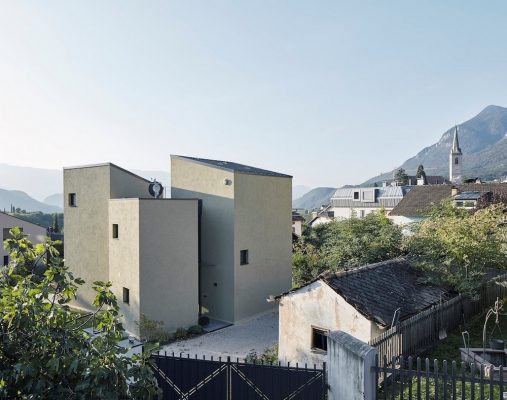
(72, 200)
(357, 196)
(6, 260)
(115, 231)
(126, 295)
(244, 257)
(319, 339)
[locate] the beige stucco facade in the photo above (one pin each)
(240, 211)
(155, 255)
(317, 306)
(36, 234)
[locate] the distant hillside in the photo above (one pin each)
(314, 198)
(299, 190)
(483, 140)
(54, 200)
(23, 201)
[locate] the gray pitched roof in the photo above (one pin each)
(378, 290)
(234, 167)
(419, 200)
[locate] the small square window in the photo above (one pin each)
(243, 257)
(126, 295)
(356, 195)
(6, 260)
(115, 231)
(72, 200)
(319, 339)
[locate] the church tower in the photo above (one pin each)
(455, 160)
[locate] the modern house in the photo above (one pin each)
(246, 238)
(359, 202)
(219, 247)
(362, 302)
(36, 234)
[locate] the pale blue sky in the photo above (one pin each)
(330, 92)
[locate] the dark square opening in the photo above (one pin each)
(115, 231)
(72, 200)
(6, 260)
(319, 339)
(243, 257)
(126, 295)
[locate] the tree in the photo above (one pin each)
(421, 174)
(345, 244)
(55, 227)
(457, 246)
(401, 177)
(45, 353)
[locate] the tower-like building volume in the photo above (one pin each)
(455, 160)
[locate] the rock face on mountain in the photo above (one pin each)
(483, 141)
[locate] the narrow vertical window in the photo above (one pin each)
(456, 161)
(115, 231)
(72, 200)
(126, 295)
(6, 260)
(243, 257)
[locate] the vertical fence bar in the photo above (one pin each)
(491, 386)
(427, 380)
(444, 382)
(418, 378)
(481, 388)
(410, 378)
(384, 368)
(401, 377)
(453, 380)
(393, 377)
(472, 381)
(435, 374)
(501, 381)
(463, 386)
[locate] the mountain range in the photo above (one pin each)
(483, 141)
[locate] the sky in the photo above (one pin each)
(330, 92)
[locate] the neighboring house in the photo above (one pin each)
(362, 302)
(219, 247)
(360, 202)
(36, 234)
(416, 204)
(246, 238)
(297, 223)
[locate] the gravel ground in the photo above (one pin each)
(236, 341)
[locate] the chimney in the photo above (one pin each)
(454, 191)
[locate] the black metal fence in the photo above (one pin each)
(417, 334)
(201, 378)
(416, 379)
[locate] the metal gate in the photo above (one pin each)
(191, 379)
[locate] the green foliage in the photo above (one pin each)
(153, 331)
(344, 244)
(270, 356)
(400, 176)
(42, 219)
(45, 352)
(55, 226)
(457, 246)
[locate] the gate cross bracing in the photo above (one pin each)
(188, 378)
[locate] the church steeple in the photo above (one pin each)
(455, 159)
(455, 143)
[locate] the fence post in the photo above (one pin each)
(351, 372)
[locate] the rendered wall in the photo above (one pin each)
(86, 242)
(191, 180)
(169, 263)
(124, 257)
(316, 305)
(87, 225)
(263, 226)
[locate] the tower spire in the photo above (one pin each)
(455, 143)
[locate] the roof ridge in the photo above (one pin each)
(357, 270)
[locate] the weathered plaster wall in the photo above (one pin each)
(316, 305)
